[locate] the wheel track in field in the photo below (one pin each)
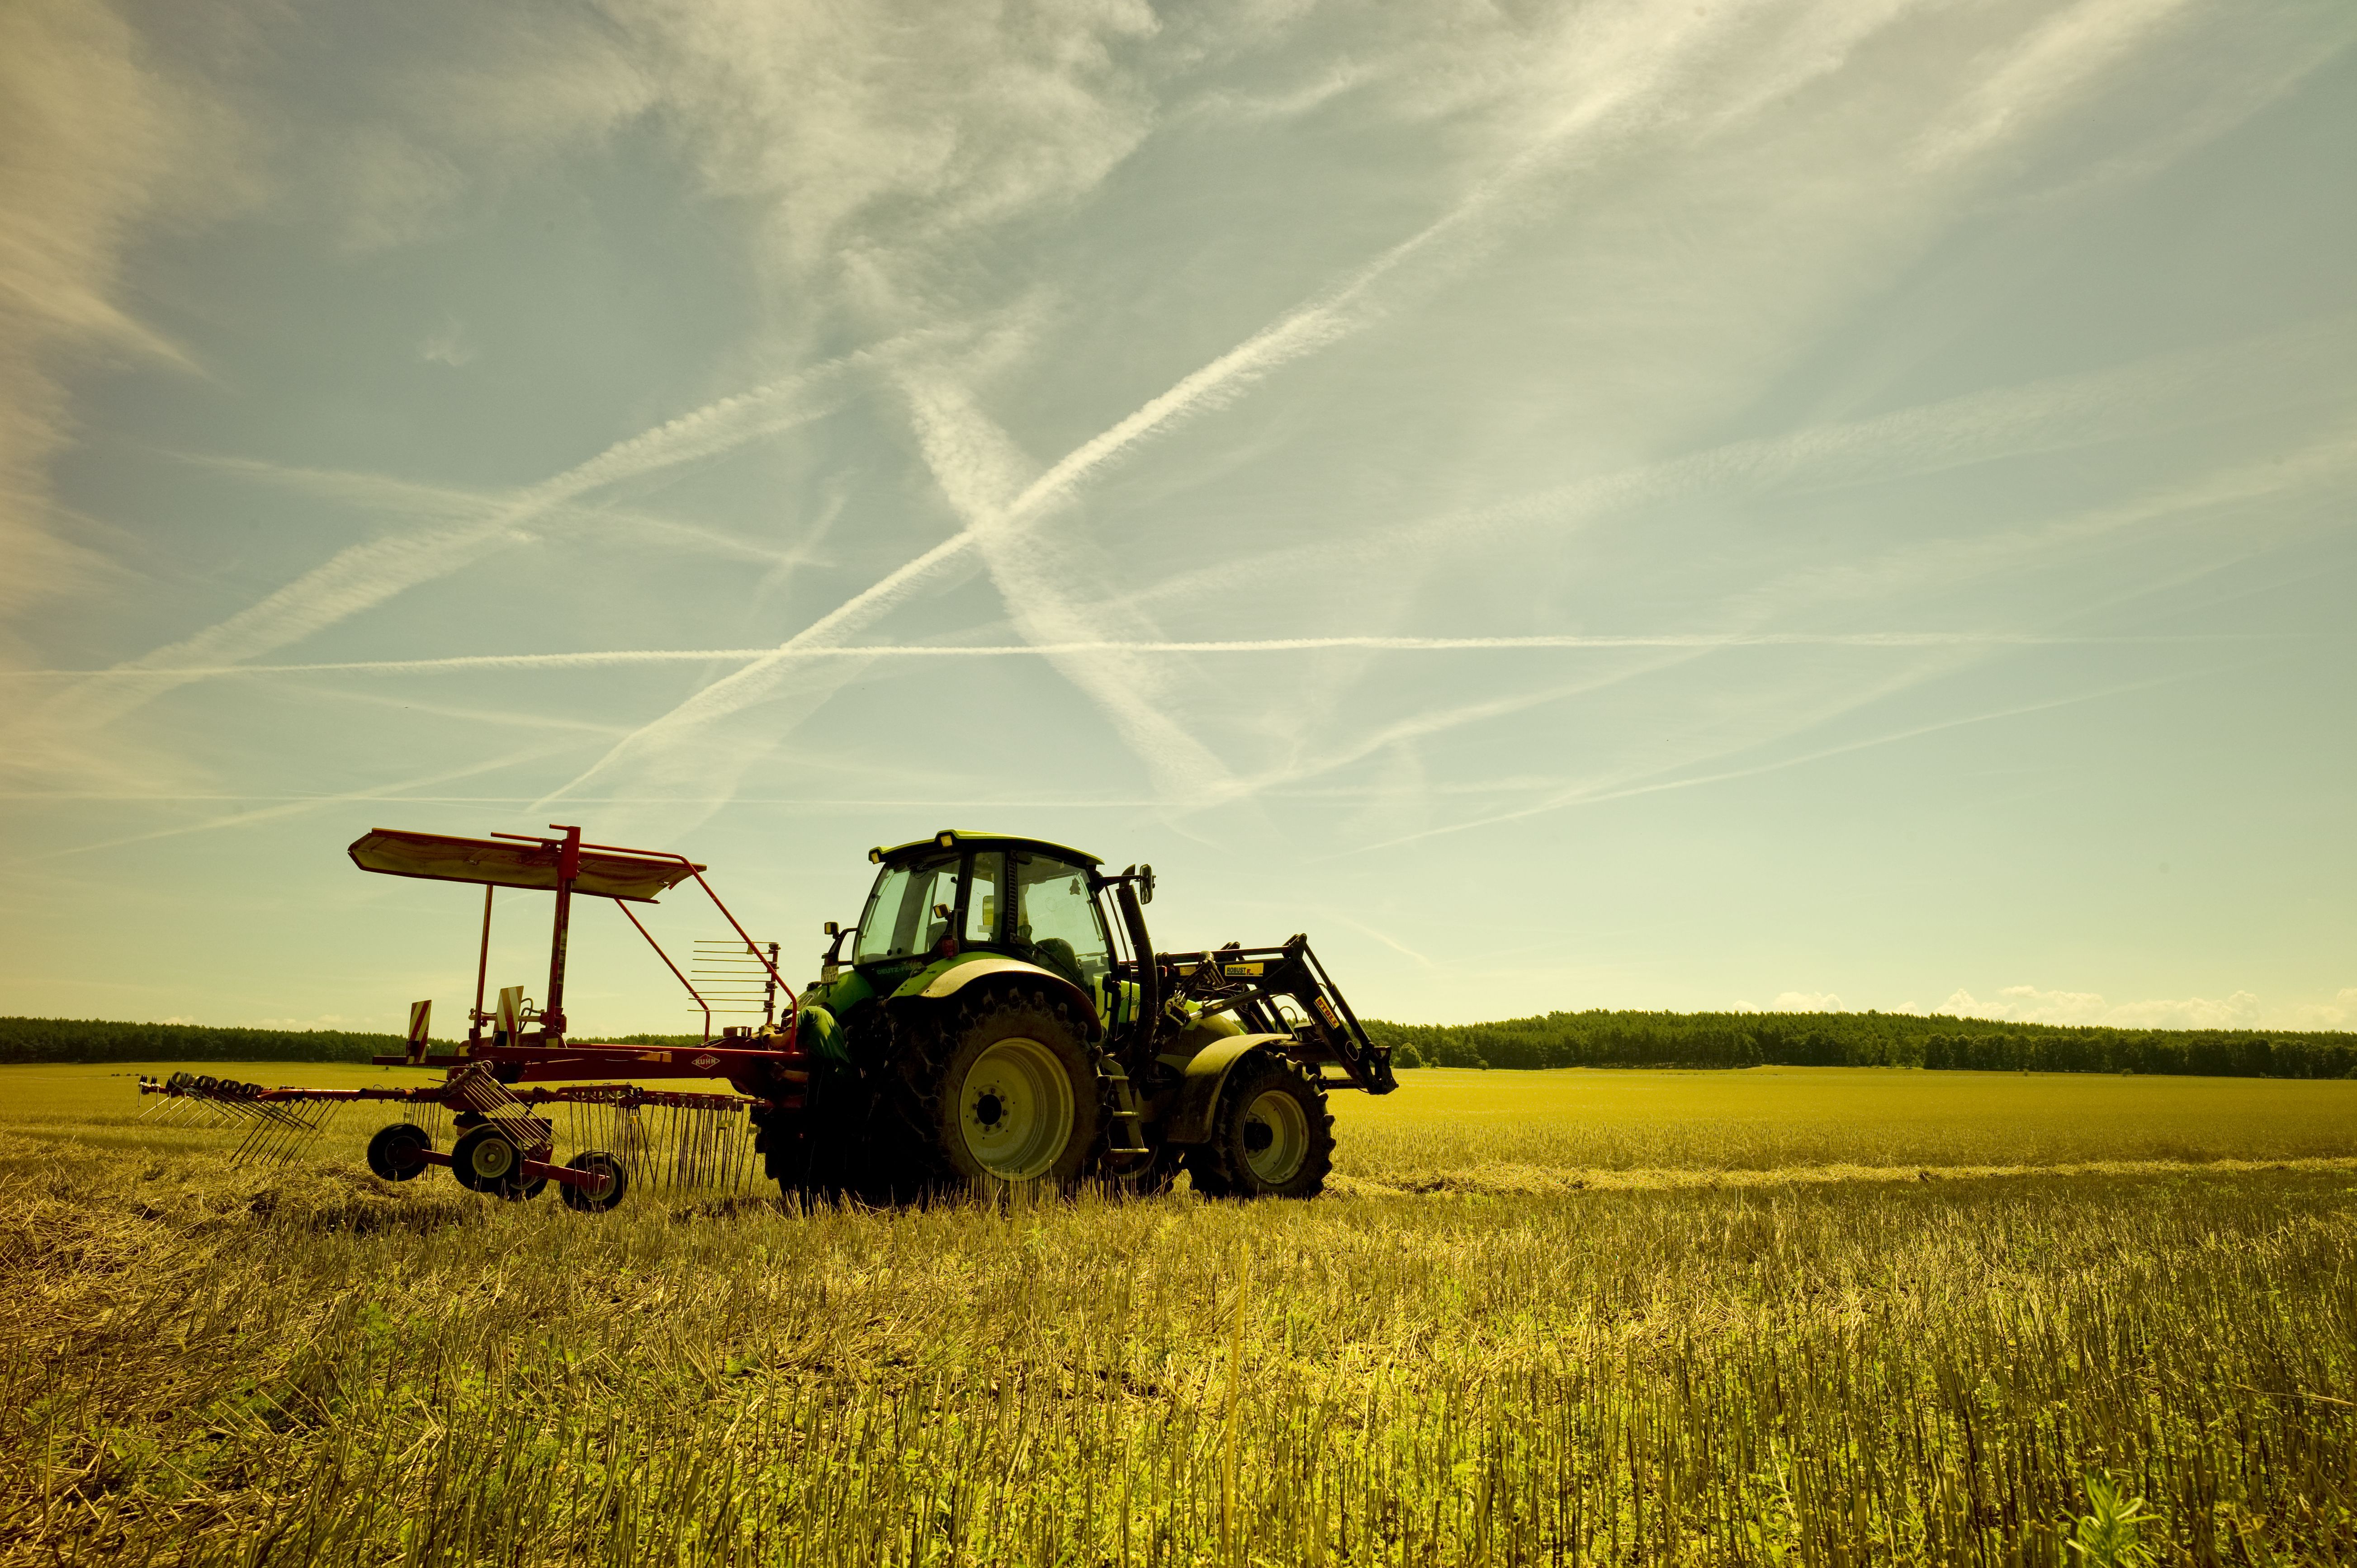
(1523, 1180)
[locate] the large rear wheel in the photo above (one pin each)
(1272, 1136)
(1013, 1100)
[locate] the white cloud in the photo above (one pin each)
(2341, 1013)
(1796, 1001)
(94, 140)
(2028, 1005)
(448, 345)
(515, 87)
(877, 139)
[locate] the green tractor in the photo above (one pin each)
(1002, 1019)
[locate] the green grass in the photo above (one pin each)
(1577, 1317)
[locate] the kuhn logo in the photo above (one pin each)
(708, 1061)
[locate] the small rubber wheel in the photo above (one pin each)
(485, 1160)
(596, 1199)
(393, 1154)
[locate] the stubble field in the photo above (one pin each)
(1823, 1317)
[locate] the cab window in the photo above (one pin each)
(1056, 918)
(900, 921)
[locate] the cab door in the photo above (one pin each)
(1054, 922)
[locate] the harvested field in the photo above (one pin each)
(1835, 1315)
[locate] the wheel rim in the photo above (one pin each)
(1015, 1110)
(492, 1159)
(1276, 1137)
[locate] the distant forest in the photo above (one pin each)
(1598, 1038)
(91, 1041)
(1595, 1038)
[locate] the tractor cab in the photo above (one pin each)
(957, 895)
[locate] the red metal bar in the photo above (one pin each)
(573, 1063)
(692, 991)
(568, 866)
(627, 1094)
(482, 969)
(693, 870)
(534, 1170)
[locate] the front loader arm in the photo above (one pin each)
(1251, 982)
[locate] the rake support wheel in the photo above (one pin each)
(486, 1160)
(1272, 1136)
(596, 1199)
(394, 1153)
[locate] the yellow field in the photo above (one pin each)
(1460, 1130)
(1561, 1317)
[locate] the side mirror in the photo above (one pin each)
(831, 929)
(1145, 885)
(942, 911)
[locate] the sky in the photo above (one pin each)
(1691, 506)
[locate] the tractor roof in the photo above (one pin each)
(958, 838)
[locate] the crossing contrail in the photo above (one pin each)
(604, 657)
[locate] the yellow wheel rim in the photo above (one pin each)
(1015, 1110)
(1276, 1137)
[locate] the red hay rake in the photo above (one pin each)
(506, 1095)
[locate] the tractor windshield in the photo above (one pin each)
(900, 922)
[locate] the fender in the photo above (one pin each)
(1206, 1074)
(935, 984)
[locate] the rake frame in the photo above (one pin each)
(497, 1080)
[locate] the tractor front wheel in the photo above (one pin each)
(1272, 1136)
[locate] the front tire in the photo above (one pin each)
(1272, 1136)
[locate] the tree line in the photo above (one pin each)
(95, 1040)
(1602, 1038)
(1592, 1038)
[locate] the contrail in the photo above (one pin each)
(292, 805)
(363, 576)
(1339, 312)
(1051, 601)
(1642, 58)
(598, 659)
(1588, 795)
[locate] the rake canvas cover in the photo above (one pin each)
(437, 857)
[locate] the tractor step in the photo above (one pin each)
(1126, 1140)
